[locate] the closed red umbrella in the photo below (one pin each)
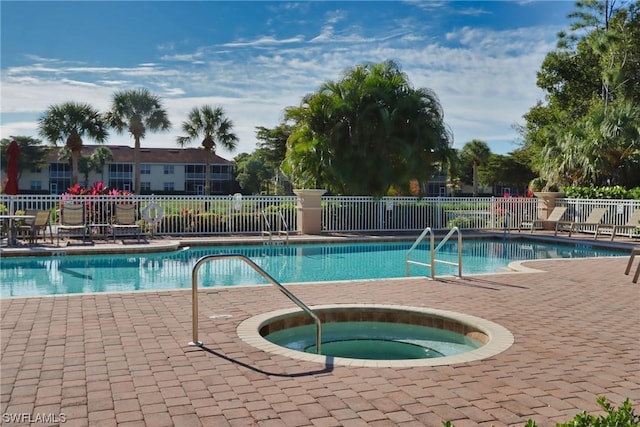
(13, 151)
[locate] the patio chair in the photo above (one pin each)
(125, 222)
(72, 222)
(594, 219)
(632, 225)
(32, 227)
(634, 252)
(554, 217)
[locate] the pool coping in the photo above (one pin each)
(500, 338)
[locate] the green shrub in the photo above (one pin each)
(614, 417)
(593, 192)
(460, 222)
(634, 193)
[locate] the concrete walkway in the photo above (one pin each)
(123, 359)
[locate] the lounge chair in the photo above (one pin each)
(72, 222)
(33, 226)
(634, 252)
(632, 225)
(594, 219)
(554, 217)
(125, 222)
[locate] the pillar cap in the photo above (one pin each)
(309, 192)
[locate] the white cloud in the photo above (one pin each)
(264, 41)
(485, 79)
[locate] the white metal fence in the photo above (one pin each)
(173, 215)
(213, 215)
(414, 214)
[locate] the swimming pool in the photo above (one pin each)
(73, 274)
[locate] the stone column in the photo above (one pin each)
(309, 211)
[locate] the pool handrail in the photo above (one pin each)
(283, 228)
(259, 270)
(433, 250)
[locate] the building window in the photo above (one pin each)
(145, 169)
(194, 171)
(168, 186)
(145, 186)
(36, 185)
(121, 176)
(59, 170)
(168, 169)
(120, 170)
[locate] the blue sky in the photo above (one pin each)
(257, 58)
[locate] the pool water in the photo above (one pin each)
(375, 340)
(74, 274)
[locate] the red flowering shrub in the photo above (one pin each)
(97, 211)
(97, 189)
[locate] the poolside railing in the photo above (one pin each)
(414, 214)
(235, 214)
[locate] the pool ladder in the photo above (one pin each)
(433, 250)
(283, 231)
(292, 297)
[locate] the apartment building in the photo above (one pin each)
(162, 170)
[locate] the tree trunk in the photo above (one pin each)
(475, 180)
(74, 166)
(207, 173)
(136, 165)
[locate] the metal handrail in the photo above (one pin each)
(257, 268)
(284, 227)
(433, 250)
(415, 244)
(268, 226)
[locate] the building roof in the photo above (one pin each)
(124, 154)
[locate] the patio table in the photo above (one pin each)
(10, 220)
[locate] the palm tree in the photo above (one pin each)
(137, 111)
(100, 157)
(70, 122)
(211, 125)
(476, 152)
(367, 132)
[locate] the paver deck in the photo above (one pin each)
(123, 358)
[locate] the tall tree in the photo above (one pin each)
(273, 146)
(99, 158)
(273, 142)
(591, 84)
(252, 171)
(32, 153)
(367, 132)
(137, 111)
(475, 153)
(509, 170)
(214, 128)
(70, 122)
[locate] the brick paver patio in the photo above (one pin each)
(123, 359)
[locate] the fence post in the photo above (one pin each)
(492, 214)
